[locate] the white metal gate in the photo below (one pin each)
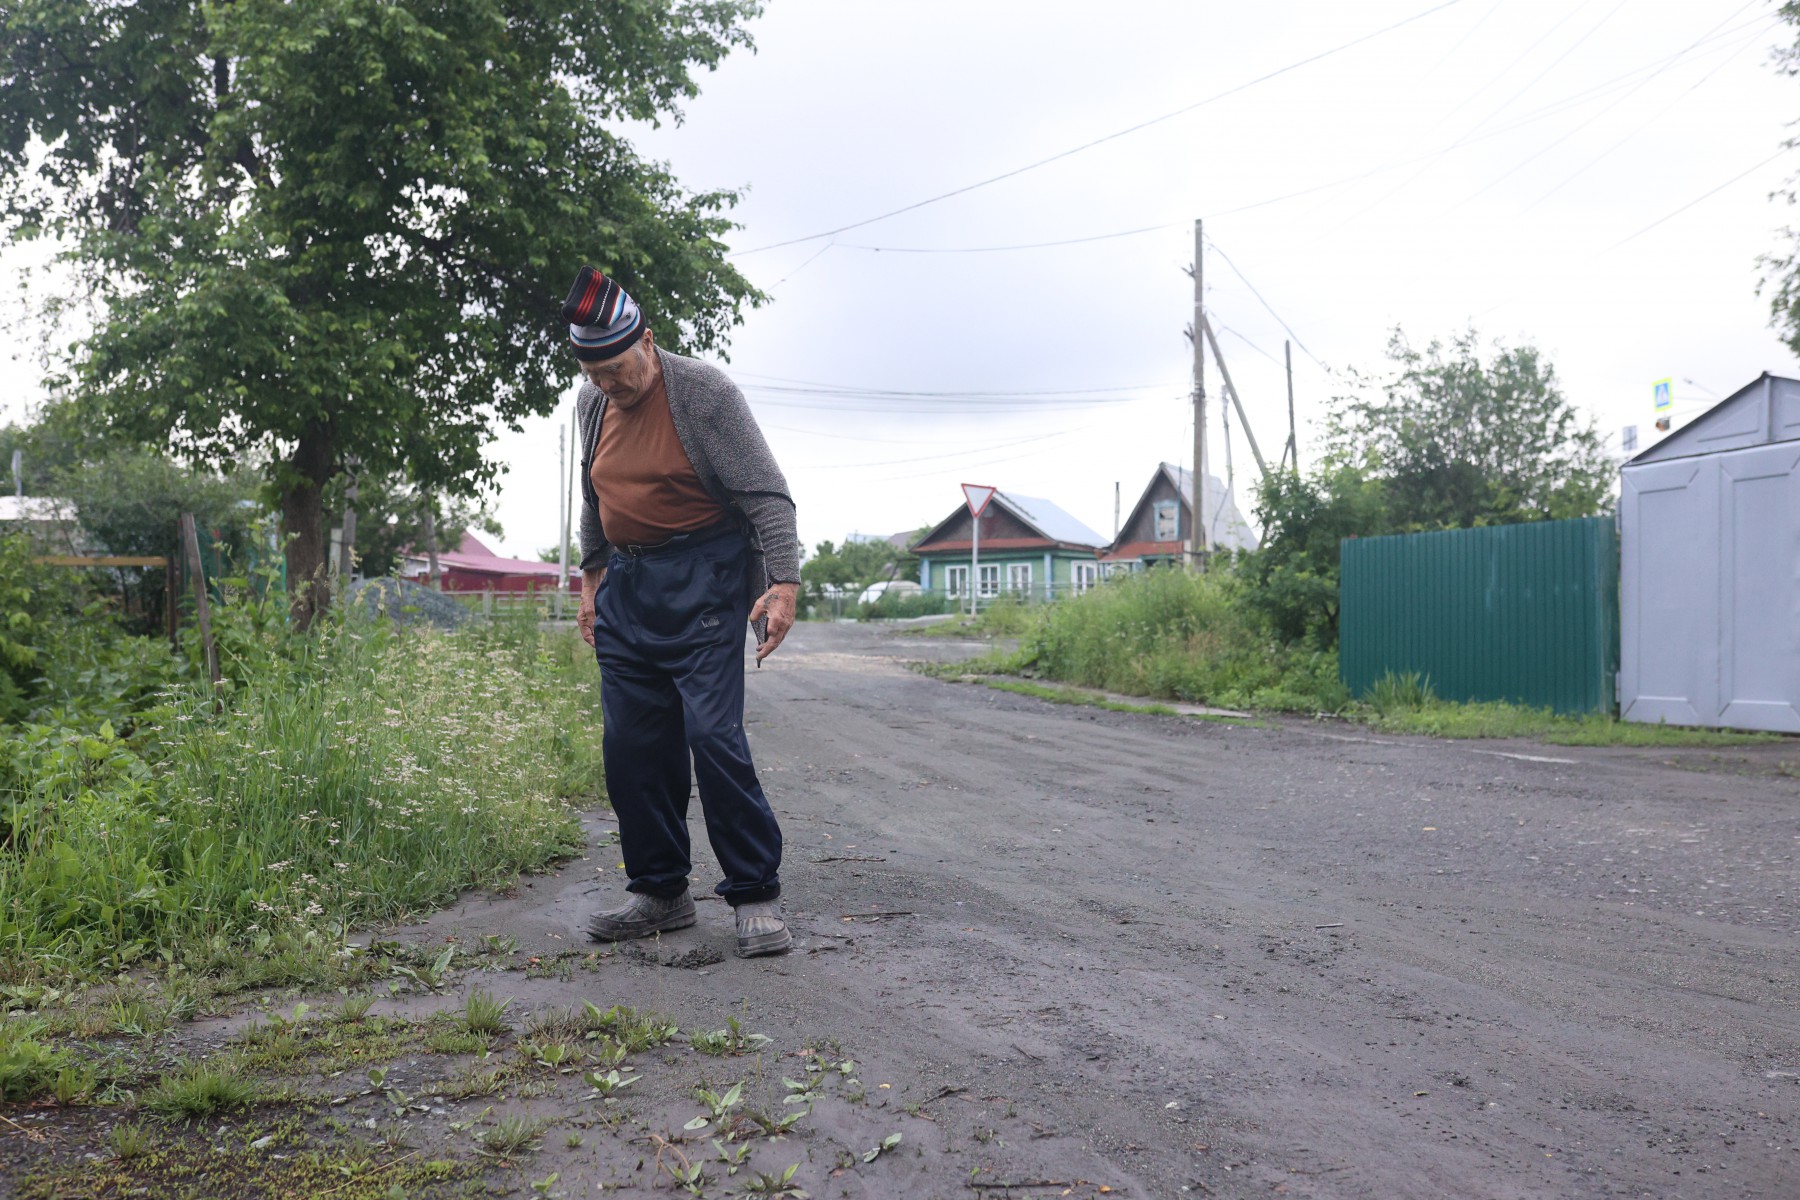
(1710, 589)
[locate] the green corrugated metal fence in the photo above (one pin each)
(1527, 613)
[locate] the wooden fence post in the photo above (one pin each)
(172, 604)
(190, 539)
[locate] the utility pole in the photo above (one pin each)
(562, 523)
(1231, 393)
(347, 549)
(1115, 510)
(1287, 348)
(569, 494)
(433, 577)
(1197, 505)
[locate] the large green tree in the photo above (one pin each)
(1457, 440)
(342, 228)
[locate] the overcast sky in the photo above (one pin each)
(1504, 163)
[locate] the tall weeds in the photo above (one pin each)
(1169, 633)
(357, 775)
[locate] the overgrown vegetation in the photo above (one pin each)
(1170, 634)
(1173, 635)
(355, 774)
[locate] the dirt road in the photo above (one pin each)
(1175, 957)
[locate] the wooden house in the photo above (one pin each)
(1161, 522)
(1030, 549)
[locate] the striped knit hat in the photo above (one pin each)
(603, 320)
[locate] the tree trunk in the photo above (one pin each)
(303, 520)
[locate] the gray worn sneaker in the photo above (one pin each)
(642, 916)
(760, 930)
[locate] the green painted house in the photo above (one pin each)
(1030, 549)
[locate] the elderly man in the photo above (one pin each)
(687, 532)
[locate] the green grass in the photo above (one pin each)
(200, 1091)
(1066, 696)
(1170, 635)
(1002, 617)
(1444, 719)
(356, 776)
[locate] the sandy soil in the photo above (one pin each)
(1193, 958)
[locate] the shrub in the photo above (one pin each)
(358, 774)
(1169, 633)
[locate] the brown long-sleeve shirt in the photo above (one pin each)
(647, 488)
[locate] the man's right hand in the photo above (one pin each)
(584, 614)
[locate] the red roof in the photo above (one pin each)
(1134, 550)
(472, 555)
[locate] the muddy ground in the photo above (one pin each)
(1172, 957)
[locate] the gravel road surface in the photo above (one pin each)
(1175, 957)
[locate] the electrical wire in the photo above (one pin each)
(1266, 304)
(1696, 200)
(809, 262)
(1543, 150)
(840, 389)
(1240, 337)
(891, 462)
(1098, 237)
(1595, 159)
(1554, 108)
(1142, 125)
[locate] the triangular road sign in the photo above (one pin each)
(978, 497)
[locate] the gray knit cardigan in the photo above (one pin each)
(729, 455)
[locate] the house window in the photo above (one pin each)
(1084, 575)
(1018, 578)
(1168, 521)
(956, 581)
(990, 581)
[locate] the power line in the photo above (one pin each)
(894, 462)
(1098, 237)
(1265, 304)
(1142, 125)
(1595, 159)
(1543, 150)
(1469, 137)
(1573, 100)
(1697, 199)
(842, 389)
(809, 262)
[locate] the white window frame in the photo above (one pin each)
(1018, 578)
(956, 581)
(989, 581)
(1084, 575)
(1170, 509)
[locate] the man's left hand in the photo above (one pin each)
(778, 605)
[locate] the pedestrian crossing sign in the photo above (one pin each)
(1665, 395)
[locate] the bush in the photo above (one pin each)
(1168, 633)
(898, 606)
(64, 657)
(356, 775)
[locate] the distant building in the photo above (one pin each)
(1161, 522)
(1030, 549)
(50, 523)
(473, 567)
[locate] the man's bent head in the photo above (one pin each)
(615, 350)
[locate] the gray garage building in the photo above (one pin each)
(1709, 530)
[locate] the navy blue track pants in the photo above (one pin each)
(669, 636)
